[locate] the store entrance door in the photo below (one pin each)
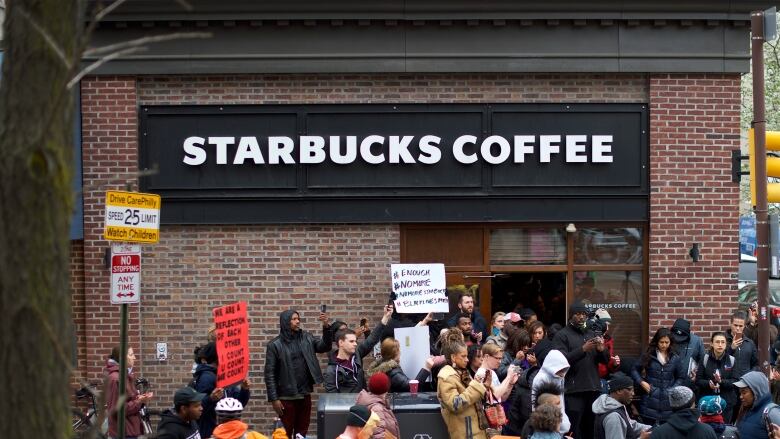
(543, 292)
(478, 284)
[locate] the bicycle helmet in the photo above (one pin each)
(229, 408)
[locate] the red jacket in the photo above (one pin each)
(606, 369)
(132, 405)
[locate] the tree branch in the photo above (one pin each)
(185, 5)
(146, 40)
(101, 13)
(46, 37)
(100, 62)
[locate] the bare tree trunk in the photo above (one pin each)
(36, 199)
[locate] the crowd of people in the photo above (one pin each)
(513, 376)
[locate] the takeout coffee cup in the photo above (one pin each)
(413, 385)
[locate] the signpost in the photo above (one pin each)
(132, 216)
(763, 27)
(125, 273)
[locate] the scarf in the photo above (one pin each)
(715, 421)
(465, 376)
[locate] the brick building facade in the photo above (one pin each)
(693, 127)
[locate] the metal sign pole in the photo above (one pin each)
(122, 374)
(761, 208)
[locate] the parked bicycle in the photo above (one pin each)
(83, 419)
(143, 386)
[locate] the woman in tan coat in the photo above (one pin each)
(460, 395)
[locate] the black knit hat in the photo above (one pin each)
(577, 307)
(620, 382)
(358, 416)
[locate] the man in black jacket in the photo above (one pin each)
(292, 369)
(179, 423)
(344, 373)
(584, 351)
(742, 348)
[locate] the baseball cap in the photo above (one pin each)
(513, 317)
(603, 315)
(187, 395)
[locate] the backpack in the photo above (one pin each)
(730, 433)
(729, 365)
(771, 415)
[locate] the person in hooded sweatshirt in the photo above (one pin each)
(612, 420)
(684, 420)
(133, 402)
(755, 396)
(520, 398)
(554, 369)
(180, 423)
(375, 398)
(689, 347)
(291, 370)
(584, 351)
(205, 379)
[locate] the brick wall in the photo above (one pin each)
(693, 119)
(272, 268)
(694, 126)
(372, 88)
(109, 160)
(78, 303)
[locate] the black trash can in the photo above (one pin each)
(419, 417)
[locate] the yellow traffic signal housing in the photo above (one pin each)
(772, 166)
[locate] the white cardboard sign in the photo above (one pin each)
(125, 273)
(419, 288)
(415, 348)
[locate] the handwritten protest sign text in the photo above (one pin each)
(419, 288)
(232, 331)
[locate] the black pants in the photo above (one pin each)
(579, 409)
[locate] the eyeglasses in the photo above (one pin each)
(497, 358)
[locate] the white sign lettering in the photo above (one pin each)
(419, 288)
(125, 273)
(375, 149)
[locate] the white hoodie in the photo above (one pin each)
(553, 363)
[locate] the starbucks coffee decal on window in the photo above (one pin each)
(376, 149)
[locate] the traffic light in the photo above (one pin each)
(772, 166)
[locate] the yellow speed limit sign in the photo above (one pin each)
(132, 216)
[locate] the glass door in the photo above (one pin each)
(476, 284)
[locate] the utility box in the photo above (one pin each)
(419, 417)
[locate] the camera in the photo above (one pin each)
(597, 326)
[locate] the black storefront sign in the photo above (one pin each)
(396, 163)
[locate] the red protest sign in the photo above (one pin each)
(232, 330)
